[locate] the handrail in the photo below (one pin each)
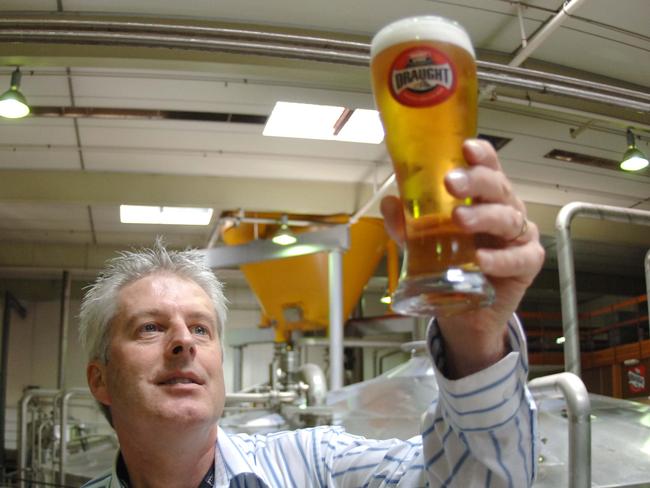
(64, 398)
(567, 271)
(579, 416)
(27, 397)
(271, 396)
(646, 265)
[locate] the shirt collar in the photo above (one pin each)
(234, 458)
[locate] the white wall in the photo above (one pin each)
(34, 342)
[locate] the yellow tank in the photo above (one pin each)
(293, 292)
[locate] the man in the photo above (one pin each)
(152, 326)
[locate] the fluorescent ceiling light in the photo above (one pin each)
(143, 214)
(363, 126)
(309, 121)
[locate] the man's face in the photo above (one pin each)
(164, 355)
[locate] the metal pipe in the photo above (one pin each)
(545, 31)
(335, 273)
(187, 29)
(544, 75)
(392, 265)
(646, 263)
(571, 111)
(271, 396)
(529, 45)
(10, 303)
(522, 30)
(191, 42)
(556, 89)
(238, 367)
(223, 221)
(215, 234)
(375, 196)
(579, 416)
(347, 342)
(278, 221)
(64, 313)
(566, 266)
(64, 397)
(385, 356)
(420, 325)
(22, 426)
(314, 377)
(256, 42)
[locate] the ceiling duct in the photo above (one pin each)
(136, 113)
(586, 159)
(156, 34)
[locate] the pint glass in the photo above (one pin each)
(425, 87)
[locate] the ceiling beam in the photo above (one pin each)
(317, 197)
(115, 188)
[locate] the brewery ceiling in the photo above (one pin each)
(131, 63)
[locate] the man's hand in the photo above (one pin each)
(477, 339)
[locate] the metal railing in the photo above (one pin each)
(579, 416)
(566, 267)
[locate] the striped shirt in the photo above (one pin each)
(480, 432)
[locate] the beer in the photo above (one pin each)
(425, 87)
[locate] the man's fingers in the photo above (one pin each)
(482, 184)
(499, 220)
(391, 209)
(517, 262)
(481, 153)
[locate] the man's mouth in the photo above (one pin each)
(180, 379)
(175, 381)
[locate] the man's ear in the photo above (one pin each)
(96, 377)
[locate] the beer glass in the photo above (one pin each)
(425, 87)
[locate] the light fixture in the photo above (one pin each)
(386, 298)
(324, 122)
(13, 104)
(633, 159)
(284, 236)
(560, 340)
(145, 214)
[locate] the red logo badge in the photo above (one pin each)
(636, 379)
(422, 76)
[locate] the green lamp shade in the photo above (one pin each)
(13, 104)
(634, 160)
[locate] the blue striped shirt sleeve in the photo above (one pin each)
(480, 432)
(492, 416)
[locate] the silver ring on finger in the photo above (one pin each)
(523, 230)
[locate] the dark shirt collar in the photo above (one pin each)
(125, 482)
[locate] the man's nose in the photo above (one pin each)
(181, 341)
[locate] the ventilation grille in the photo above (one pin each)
(585, 159)
(496, 141)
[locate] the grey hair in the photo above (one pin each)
(99, 304)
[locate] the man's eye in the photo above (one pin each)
(201, 330)
(150, 327)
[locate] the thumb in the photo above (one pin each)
(391, 209)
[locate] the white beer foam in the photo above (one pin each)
(428, 27)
